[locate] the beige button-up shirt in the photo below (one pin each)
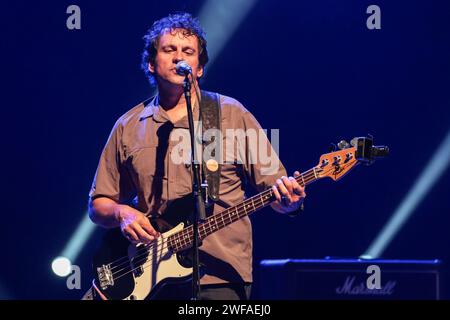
(137, 167)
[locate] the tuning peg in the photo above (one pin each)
(343, 145)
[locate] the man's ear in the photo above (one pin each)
(151, 67)
(199, 72)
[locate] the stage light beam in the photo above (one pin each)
(62, 265)
(79, 238)
(221, 19)
(430, 175)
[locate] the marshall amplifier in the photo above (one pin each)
(343, 279)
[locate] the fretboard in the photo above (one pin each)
(183, 239)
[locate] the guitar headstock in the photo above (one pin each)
(336, 164)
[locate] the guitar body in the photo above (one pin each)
(124, 271)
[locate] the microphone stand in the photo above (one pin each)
(199, 206)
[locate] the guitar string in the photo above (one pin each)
(307, 174)
(148, 262)
(188, 243)
(241, 204)
(185, 243)
(144, 265)
(177, 236)
(145, 249)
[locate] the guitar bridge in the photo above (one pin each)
(105, 276)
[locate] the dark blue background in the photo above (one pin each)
(326, 77)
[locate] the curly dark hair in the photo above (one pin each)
(181, 20)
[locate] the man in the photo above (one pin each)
(137, 178)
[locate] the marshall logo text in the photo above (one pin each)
(352, 288)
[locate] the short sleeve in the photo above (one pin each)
(262, 165)
(111, 178)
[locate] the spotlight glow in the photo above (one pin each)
(61, 266)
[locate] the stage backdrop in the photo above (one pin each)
(312, 69)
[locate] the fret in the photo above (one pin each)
(245, 211)
(256, 206)
(246, 207)
(204, 229)
(315, 174)
(171, 244)
(262, 199)
(189, 236)
(177, 241)
(183, 239)
(253, 204)
(215, 224)
(303, 180)
(232, 217)
(261, 203)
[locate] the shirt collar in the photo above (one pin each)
(152, 109)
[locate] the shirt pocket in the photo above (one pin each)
(180, 172)
(149, 171)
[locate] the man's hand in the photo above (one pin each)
(135, 225)
(289, 194)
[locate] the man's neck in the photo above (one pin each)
(172, 98)
(173, 101)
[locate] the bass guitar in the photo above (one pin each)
(134, 272)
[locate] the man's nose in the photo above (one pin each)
(178, 57)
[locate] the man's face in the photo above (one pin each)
(172, 48)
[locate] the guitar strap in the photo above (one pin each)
(210, 116)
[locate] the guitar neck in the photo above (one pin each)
(184, 239)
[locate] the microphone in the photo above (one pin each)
(183, 68)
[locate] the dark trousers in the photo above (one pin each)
(227, 291)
